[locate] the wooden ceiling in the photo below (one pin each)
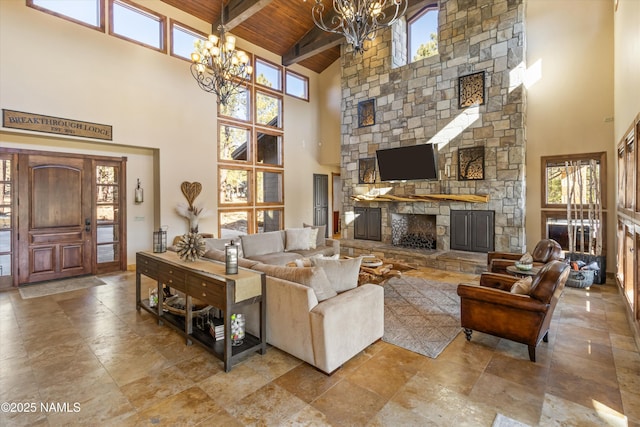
(284, 27)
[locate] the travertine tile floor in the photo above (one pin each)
(112, 365)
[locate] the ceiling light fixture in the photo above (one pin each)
(359, 20)
(218, 66)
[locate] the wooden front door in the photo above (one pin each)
(55, 217)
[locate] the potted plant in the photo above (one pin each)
(584, 216)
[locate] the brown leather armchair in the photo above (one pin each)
(491, 308)
(546, 250)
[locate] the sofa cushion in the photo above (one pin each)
(322, 229)
(296, 239)
(278, 258)
(220, 244)
(218, 255)
(522, 286)
(320, 250)
(262, 243)
(342, 273)
(313, 277)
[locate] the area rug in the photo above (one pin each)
(420, 315)
(504, 421)
(58, 286)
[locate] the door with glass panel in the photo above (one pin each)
(70, 218)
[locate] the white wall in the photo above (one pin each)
(570, 102)
(627, 65)
(55, 67)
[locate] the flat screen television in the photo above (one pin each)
(408, 163)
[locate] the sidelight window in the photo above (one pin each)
(6, 221)
(107, 214)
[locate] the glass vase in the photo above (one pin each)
(237, 329)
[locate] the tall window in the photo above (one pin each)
(250, 156)
(422, 29)
(574, 192)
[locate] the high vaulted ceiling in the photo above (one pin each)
(284, 27)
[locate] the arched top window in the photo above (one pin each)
(422, 33)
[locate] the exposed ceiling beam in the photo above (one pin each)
(317, 40)
(312, 43)
(237, 11)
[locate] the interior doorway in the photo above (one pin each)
(336, 186)
(321, 201)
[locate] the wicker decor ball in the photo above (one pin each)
(190, 247)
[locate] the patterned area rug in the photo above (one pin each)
(421, 315)
(504, 421)
(58, 286)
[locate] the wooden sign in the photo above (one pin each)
(40, 123)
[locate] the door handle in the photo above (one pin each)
(87, 224)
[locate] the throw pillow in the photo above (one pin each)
(220, 244)
(312, 277)
(303, 262)
(297, 239)
(334, 256)
(262, 243)
(342, 273)
(522, 286)
(313, 238)
(320, 240)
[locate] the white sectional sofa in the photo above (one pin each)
(317, 314)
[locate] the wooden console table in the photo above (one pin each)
(206, 281)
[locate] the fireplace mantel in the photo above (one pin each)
(471, 198)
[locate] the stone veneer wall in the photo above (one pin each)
(418, 103)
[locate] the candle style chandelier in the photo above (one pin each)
(359, 20)
(218, 66)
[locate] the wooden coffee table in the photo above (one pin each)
(380, 274)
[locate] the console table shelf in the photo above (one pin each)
(206, 281)
(471, 198)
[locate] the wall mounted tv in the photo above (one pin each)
(407, 163)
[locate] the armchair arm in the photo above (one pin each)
(499, 297)
(346, 324)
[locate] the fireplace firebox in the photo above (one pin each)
(415, 231)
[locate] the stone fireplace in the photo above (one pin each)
(418, 103)
(414, 231)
